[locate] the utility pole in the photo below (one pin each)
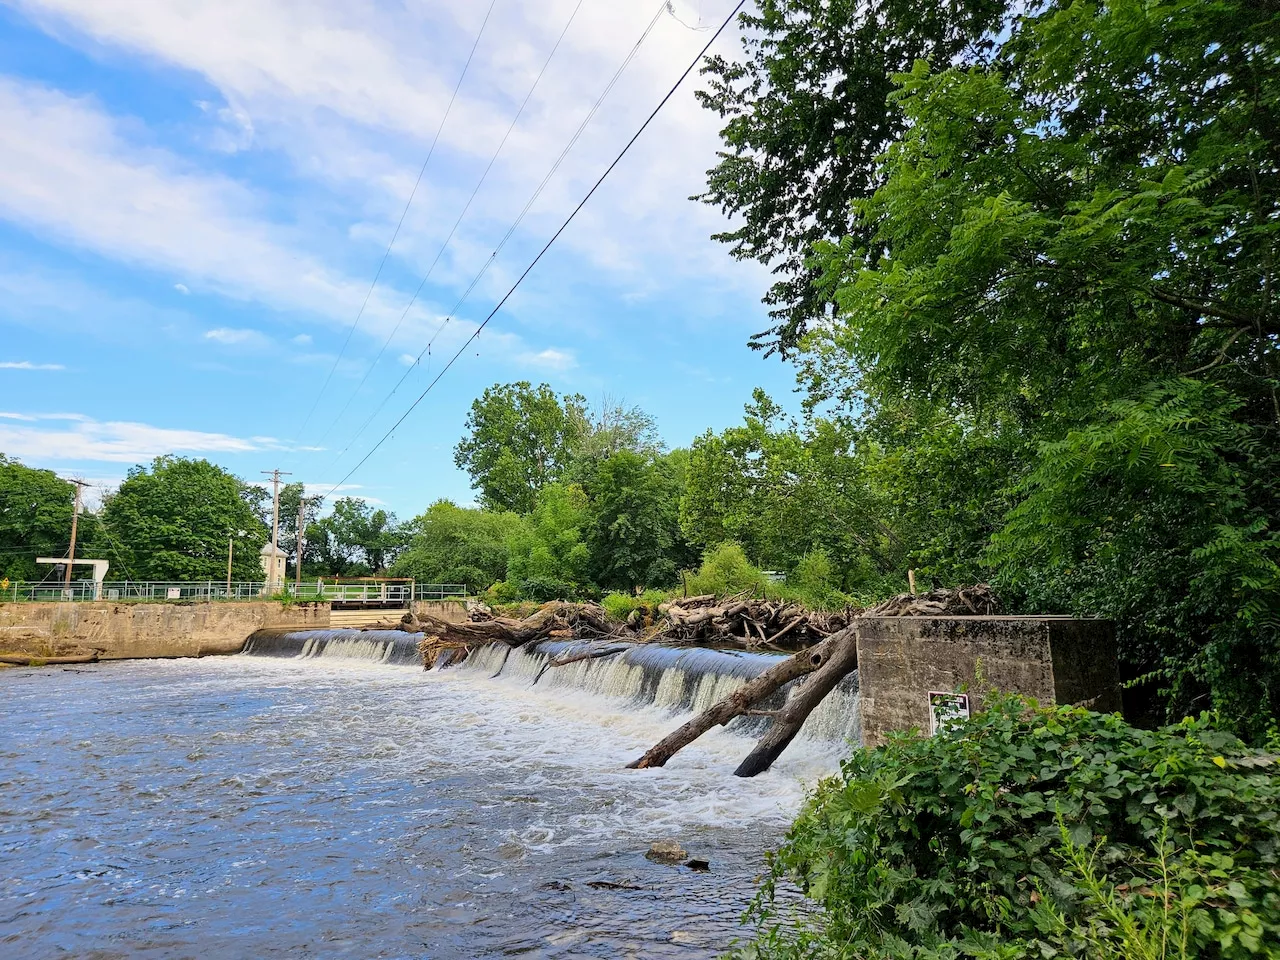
(231, 539)
(302, 512)
(75, 516)
(275, 520)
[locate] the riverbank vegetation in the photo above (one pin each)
(1034, 831)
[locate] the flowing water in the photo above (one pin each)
(318, 798)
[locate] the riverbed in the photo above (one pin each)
(260, 806)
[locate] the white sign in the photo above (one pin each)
(946, 709)
(173, 593)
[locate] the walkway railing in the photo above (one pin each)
(361, 591)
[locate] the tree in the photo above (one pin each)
(612, 426)
(35, 520)
(1076, 247)
(355, 539)
(548, 557)
(519, 439)
(634, 538)
(808, 110)
(452, 544)
(172, 522)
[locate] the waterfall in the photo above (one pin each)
(377, 646)
(672, 680)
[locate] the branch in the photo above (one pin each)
(1207, 308)
(1221, 353)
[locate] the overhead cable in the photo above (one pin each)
(412, 193)
(475, 280)
(439, 253)
(554, 237)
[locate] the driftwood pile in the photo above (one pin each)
(976, 601)
(741, 620)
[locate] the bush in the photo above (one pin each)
(619, 606)
(1035, 832)
(726, 569)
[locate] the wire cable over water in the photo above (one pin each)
(554, 237)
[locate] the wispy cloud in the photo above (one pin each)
(28, 365)
(233, 337)
(81, 438)
(549, 359)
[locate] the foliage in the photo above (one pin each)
(807, 111)
(519, 439)
(620, 606)
(1035, 832)
(452, 544)
(35, 520)
(635, 537)
(1065, 280)
(547, 554)
(355, 539)
(173, 521)
(725, 569)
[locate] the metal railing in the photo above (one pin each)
(361, 591)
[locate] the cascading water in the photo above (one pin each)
(674, 680)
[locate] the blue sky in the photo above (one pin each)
(195, 197)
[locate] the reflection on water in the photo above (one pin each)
(255, 806)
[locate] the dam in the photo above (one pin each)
(319, 795)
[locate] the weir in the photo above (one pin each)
(676, 680)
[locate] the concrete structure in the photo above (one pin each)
(125, 631)
(273, 566)
(902, 660)
(100, 568)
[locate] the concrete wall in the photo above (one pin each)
(450, 611)
(1053, 659)
(126, 631)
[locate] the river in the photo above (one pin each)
(339, 806)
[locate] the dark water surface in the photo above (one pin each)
(253, 807)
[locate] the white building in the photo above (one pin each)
(273, 559)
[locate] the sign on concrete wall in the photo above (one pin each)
(946, 709)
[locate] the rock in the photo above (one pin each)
(697, 863)
(666, 851)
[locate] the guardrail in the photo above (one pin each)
(364, 591)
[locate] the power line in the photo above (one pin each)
(554, 237)
(443, 246)
(542, 185)
(412, 193)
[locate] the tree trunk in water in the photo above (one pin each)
(741, 700)
(842, 659)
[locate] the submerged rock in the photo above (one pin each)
(698, 864)
(666, 851)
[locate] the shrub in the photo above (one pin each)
(726, 569)
(619, 606)
(1035, 832)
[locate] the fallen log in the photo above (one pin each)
(745, 697)
(581, 620)
(34, 660)
(842, 661)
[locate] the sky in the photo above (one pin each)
(196, 198)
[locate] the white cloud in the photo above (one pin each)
(302, 339)
(28, 365)
(549, 359)
(234, 337)
(182, 288)
(81, 438)
(408, 359)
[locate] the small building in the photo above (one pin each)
(273, 559)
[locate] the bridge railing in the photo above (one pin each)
(362, 591)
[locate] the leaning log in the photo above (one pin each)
(745, 697)
(841, 661)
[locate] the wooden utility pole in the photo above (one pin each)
(275, 520)
(75, 516)
(231, 539)
(302, 513)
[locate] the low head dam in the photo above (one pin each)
(117, 630)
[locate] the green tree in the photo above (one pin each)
(452, 544)
(807, 110)
(35, 521)
(519, 439)
(1076, 247)
(635, 537)
(355, 539)
(548, 558)
(172, 521)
